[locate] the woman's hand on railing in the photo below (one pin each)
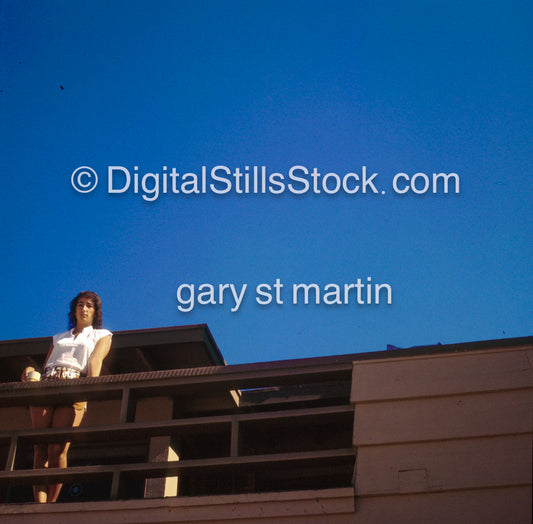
(24, 376)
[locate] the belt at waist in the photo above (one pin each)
(61, 372)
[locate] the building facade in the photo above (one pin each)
(432, 434)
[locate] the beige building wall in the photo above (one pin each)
(444, 438)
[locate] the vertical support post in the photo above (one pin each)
(234, 437)
(128, 406)
(115, 485)
(10, 464)
(161, 449)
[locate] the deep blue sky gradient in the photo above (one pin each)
(414, 86)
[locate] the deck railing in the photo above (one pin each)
(301, 436)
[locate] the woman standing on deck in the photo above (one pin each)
(75, 353)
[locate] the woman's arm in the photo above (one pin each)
(94, 366)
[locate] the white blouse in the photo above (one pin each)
(73, 351)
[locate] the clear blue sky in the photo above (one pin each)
(412, 87)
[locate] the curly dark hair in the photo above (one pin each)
(97, 320)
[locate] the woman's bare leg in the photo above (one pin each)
(41, 417)
(64, 416)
